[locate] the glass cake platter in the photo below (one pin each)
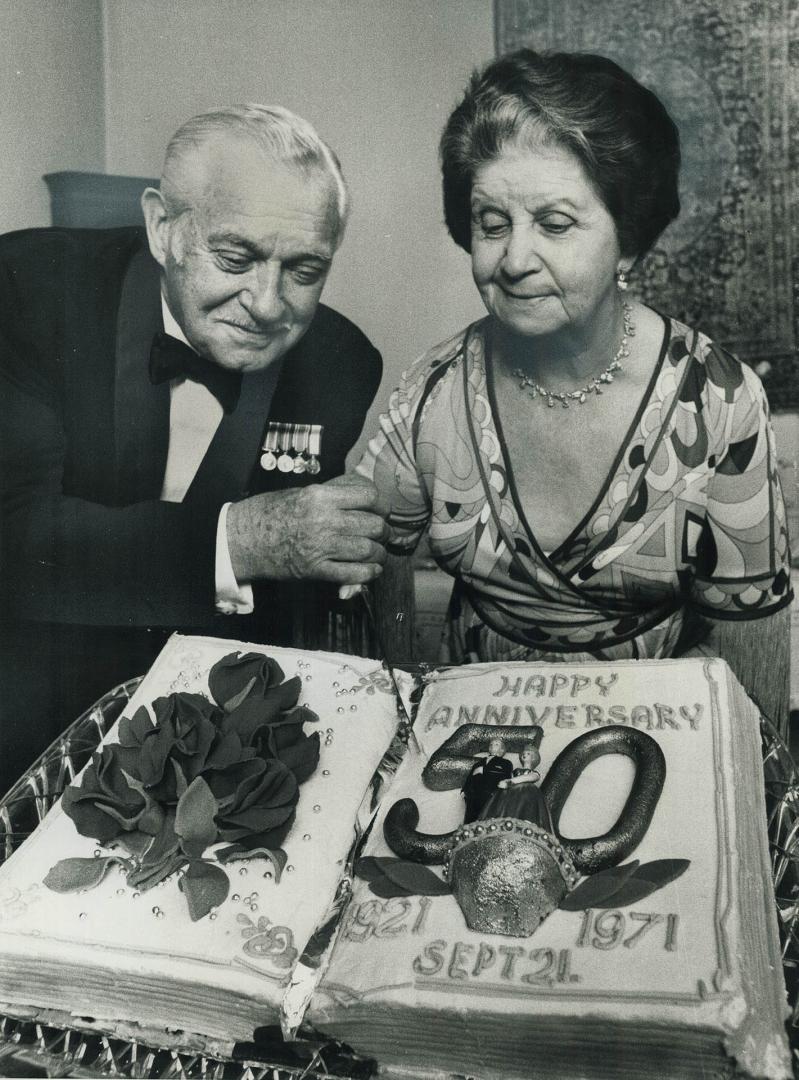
(34, 1049)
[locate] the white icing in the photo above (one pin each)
(692, 970)
(679, 961)
(112, 933)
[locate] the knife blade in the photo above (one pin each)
(406, 724)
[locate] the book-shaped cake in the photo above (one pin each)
(569, 877)
(214, 845)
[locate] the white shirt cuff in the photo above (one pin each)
(231, 598)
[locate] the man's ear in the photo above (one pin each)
(157, 223)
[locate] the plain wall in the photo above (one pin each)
(51, 100)
(376, 77)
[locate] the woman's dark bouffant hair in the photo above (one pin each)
(620, 131)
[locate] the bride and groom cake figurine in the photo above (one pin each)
(494, 790)
(508, 866)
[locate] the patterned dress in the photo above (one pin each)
(691, 514)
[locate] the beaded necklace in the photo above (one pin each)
(567, 397)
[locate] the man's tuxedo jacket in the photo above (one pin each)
(84, 434)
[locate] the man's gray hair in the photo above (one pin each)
(281, 134)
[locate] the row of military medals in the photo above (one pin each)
(292, 448)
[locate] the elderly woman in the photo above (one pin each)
(599, 479)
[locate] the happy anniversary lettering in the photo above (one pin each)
(571, 711)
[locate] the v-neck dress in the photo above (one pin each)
(691, 512)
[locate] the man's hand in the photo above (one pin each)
(326, 532)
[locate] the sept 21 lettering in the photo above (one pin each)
(460, 961)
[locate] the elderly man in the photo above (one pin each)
(176, 412)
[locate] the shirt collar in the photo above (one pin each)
(171, 325)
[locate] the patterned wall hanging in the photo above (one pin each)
(727, 72)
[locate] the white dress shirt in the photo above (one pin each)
(194, 416)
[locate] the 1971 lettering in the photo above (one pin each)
(608, 929)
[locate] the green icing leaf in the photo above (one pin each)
(205, 887)
(150, 874)
(136, 843)
(389, 876)
(595, 890)
(230, 854)
(73, 875)
(194, 817)
(647, 879)
(181, 785)
(277, 857)
(372, 867)
(385, 889)
(417, 879)
(162, 846)
(623, 885)
(661, 871)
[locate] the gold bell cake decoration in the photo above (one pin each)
(508, 865)
(292, 448)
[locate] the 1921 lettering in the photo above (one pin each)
(386, 918)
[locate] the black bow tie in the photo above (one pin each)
(172, 359)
